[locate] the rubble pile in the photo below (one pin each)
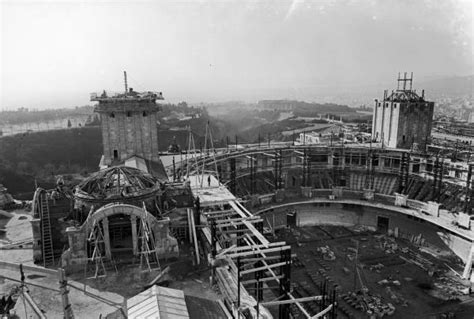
(370, 304)
(326, 252)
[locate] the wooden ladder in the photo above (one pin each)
(46, 238)
(148, 248)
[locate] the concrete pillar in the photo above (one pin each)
(37, 244)
(306, 191)
(432, 208)
(105, 224)
(337, 191)
(400, 199)
(133, 220)
(369, 194)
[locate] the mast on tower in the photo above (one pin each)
(125, 80)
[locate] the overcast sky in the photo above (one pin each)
(53, 54)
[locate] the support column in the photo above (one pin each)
(108, 251)
(468, 268)
(133, 220)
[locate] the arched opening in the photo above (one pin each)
(121, 238)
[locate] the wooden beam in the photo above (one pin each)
(239, 223)
(322, 313)
(249, 247)
(246, 260)
(219, 212)
(268, 154)
(266, 267)
(238, 219)
(250, 242)
(258, 251)
(225, 251)
(227, 239)
(254, 281)
(283, 302)
(234, 231)
(255, 232)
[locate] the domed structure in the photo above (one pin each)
(117, 184)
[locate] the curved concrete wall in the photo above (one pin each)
(350, 214)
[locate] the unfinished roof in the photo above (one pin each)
(158, 302)
(117, 183)
(404, 96)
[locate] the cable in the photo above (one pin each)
(31, 284)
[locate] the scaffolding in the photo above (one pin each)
(404, 173)
(95, 241)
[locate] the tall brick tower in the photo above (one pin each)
(403, 119)
(129, 125)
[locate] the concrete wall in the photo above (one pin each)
(338, 214)
(415, 124)
(401, 124)
(131, 131)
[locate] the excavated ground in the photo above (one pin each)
(386, 269)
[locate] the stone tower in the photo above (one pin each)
(403, 119)
(129, 125)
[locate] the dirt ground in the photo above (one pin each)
(408, 287)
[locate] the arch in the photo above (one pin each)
(35, 204)
(114, 209)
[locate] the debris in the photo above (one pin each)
(327, 253)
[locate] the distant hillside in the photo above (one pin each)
(42, 155)
(301, 108)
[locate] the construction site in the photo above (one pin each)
(281, 230)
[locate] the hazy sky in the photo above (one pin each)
(54, 53)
